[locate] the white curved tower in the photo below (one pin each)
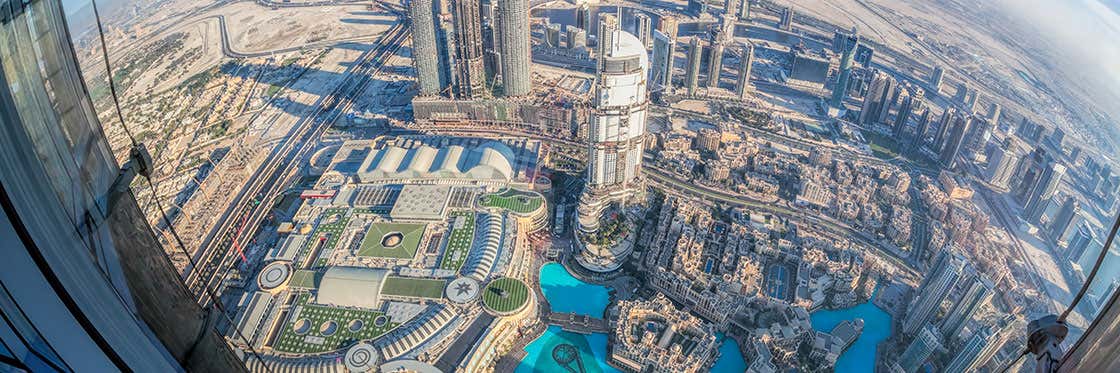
(615, 138)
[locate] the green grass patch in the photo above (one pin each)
(304, 279)
(311, 337)
(505, 295)
(460, 241)
(882, 147)
(513, 200)
(332, 223)
(413, 287)
(392, 240)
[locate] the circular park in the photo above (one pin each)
(505, 296)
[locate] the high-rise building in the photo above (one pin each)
(471, 69)
(876, 103)
(692, 73)
(1003, 162)
(904, 111)
(697, 8)
(1038, 180)
(923, 346)
(980, 131)
(577, 38)
(962, 93)
(920, 131)
(994, 111)
(746, 59)
(943, 124)
(786, 21)
(1082, 240)
(425, 55)
(608, 24)
(934, 288)
(936, 79)
(864, 54)
(715, 58)
(513, 26)
(954, 142)
(745, 10)
(643, 26)
(981, 347)
(971, 100)
(618, 123)
(846, 44)
(1064, 219)
(583, 16)
(661, 62)
(976, 294)
(552, 35)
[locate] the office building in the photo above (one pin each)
(583, 16)
(981, 347)
(909, 103)
(697, 8)
(977, 293)
(920, 349)
(786, 19)
(470, 67)
(920, 131)
(604, 42)
(994, 111)
(935, 287)
(955, 141)
(643, 27)
(864, 53)
(970, 101)
(1038, 178)
(552, 35)
(876, 103)
(745, 10)
(618, 120)
(1063, 220)
(746, 60)
(715, 58)
(661, 62)
(1084, 238)
(979, 132)
(846, 45)
(513, 28)
(577, 38)
(425, 56)
(936, 79)
(1003, 162)
(692, 73)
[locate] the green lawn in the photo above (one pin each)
(413, 287)
(313, 341)
(374, 243)
(459, 242)
(505, 295)
(881, 146)
(304, 279)
(517, 201)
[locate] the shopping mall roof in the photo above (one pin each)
(491, 161)
(351, 286)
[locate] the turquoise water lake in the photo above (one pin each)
(860, 357)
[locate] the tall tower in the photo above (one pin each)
(981, 347)
(994, 111)
(904, 111)
(948, 156)
(715, 58)
(615, 138)
(848, 44)
(920, 132)
(692, 77)
(876, 103)
(936, 79)
(471, 68)
(786, 22)
(923, 346)
(661, 64)
(944, 123)
(1061, 223)
(425, 55)
(933, 290)
(979, 291)
(644, 27)
(746, 59)
(608, 24)
(513, 26)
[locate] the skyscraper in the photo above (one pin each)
(470, 68)
(552, 35)
(971, 100)
(1003, 162)
(577, 37)
(745, 10)
(876, 103)
(952, 148)
(608, 24)
(904, 110)
(661, 63)
(994, 111)
(1064, 219)
(786, 20)
(643, 27)
(746, 59)
(692, 73)
(583, 16)
(715, 58)
(697, 8)
(864, 54)
(943, 124)
(936, 79)
(934, 288)
(425, 55)
(923, 346)
(920, 132)
(978, 292)
(513, 26)
(847, 45)
(1038, 193)
(618, 124)
(981, 347)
